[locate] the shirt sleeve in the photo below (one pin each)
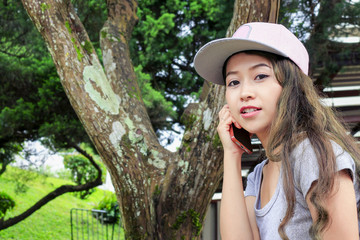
(306, 168)
(250, 185)
(254, 180)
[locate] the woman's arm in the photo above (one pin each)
(236, 211)
(237, 216)
(342, 209)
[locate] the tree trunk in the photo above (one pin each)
(162, 195)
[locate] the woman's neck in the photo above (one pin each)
(263, 137)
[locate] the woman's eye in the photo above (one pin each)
(261, 76)
(233, 83)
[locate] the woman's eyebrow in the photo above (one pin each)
(259, 65)
(231, 72)
(251, 68)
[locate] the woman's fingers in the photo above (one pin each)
(225, 120)
(225, 116)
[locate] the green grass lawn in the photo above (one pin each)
(52, 221)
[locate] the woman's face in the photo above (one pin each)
(252, 92)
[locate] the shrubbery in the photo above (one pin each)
(6, 204)
(110, 205)
(82, 171)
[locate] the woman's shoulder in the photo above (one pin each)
(259, 167)
(257, 172)
(305, 147)
(305, 164)
(304, 156)
(253, 181)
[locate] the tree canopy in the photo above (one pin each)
(164, 43)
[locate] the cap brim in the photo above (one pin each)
(209, 60)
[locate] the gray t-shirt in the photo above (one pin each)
(305, 172)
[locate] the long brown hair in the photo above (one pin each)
(300, 114)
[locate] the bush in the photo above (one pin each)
(110, 205)
(6, 204)
(82, 171)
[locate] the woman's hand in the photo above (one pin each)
(223, 129)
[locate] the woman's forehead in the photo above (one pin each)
(247, 61)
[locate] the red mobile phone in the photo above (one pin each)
(242, 138)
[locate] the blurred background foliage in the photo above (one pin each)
(164, 43)
(6, 204)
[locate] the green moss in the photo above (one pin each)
(88, 47)
(216, 142)
(130, 94)
(78, 50)
(195, 220)
(125, 141)
(103, 34)
(179, 221)
(67, 25)
(44, 7)
(137, 96)
(156, 192)
(79, 54)
(186, 146)
(189, 120)
(134, 94)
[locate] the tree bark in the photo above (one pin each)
(162, 195)
(253, 11)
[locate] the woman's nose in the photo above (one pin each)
(247, 93)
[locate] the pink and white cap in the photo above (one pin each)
(268, 37)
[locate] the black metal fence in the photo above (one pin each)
(95, 225)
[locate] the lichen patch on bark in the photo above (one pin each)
(115, 136)
(108, 59)
(103, 94)
(207, 119)
(157, 161)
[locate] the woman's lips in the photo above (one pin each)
(249, 111)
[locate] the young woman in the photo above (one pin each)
(307, 188)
